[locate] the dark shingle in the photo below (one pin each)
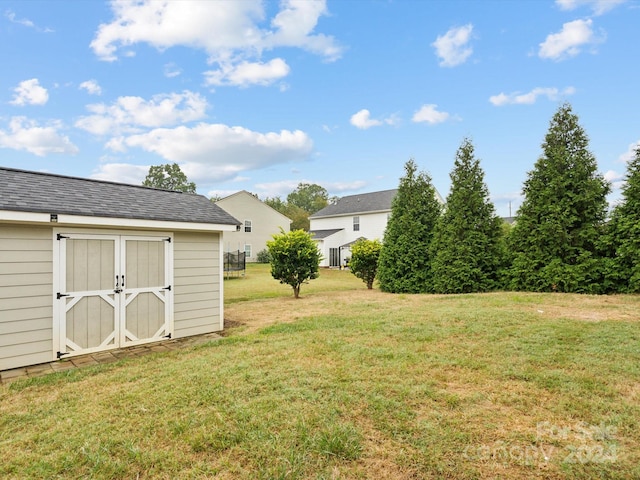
(360, 203)
(321, 234)
(26, 191)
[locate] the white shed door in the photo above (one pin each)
(146, 289)
(115, 291)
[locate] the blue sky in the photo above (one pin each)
(261, 96)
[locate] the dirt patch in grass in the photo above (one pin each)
(254, 315)
(589, 308)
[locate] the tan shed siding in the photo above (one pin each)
(26, 295)
(196, 297)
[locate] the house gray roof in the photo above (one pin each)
(37, 192)
(320, 234)
(360, 203)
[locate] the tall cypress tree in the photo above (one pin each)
(467, 246)
(555, 237)
(624, 233)
(404, 264)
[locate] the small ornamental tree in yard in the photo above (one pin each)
(467, 246)
(405, 265)
(555, 240)
(295, 258)
(364, 260)
(624, 234)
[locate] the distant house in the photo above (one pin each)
(339, 225)
(259, 223)
(87, 266)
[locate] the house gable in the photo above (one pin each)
(259, 222)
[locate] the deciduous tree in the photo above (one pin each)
(169, 177)
(294, 258)
(309, 196)
(364, 260)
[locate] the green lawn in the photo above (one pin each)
(351, 383)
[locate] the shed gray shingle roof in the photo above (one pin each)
(360, 203)
(37, 192)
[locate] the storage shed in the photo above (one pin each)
(89, 265)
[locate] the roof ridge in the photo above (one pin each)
(94, 180)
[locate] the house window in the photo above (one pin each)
(247, 251)
(247, 226)
(356, 224)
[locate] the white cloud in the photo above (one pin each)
(122, 173)
(283, 187)
(630, 153)
(612, 176)
(27, 135)
(598, 6)
(517, 98)
(616, 179)
(127, 114)
(294, 24)
(220, 193)
(430, 114)
(92, 87)
(11, 16)
(452, 47)
(363, 120)
(339, 187)
(570, 41)
(244, 74)
(30, 92)
(215, 152)
(234, 34)
(171, 70)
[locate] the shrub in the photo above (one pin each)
(295, 258)
(364, 260)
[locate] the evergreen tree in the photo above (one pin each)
(554, 242)
(467, 248)
(405, 265)
(624, 233)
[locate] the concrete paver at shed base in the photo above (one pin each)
(8, 376)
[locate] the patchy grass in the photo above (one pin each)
(351, 383)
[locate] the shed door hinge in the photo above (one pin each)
(60, 295)
(168, 239)
(167, 288)
(60, 354)
(167, 336)
(60, 236)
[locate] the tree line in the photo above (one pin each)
(561, 241)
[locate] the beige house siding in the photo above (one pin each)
(265, 222)
(26, 298)
(197, 293)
